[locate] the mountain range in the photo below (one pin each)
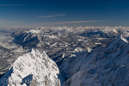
(63, 56)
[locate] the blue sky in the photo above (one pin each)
(64, 12)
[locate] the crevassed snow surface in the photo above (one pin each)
(34, 68)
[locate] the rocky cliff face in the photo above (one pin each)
(32, 69)
(107, 66)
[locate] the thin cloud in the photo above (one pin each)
(11, 5)
(52, 16)
(74, 22)
(8, 21)
(69, 22)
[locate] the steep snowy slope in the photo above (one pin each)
(32, 69)
(102, 67)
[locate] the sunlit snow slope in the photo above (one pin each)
(32, 69)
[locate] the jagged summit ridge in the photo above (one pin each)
(122, 38)
(104, 66)
(117, 44)
(34, 67)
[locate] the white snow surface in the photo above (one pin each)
(34, 31)
(34, 68)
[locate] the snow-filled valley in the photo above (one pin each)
(65, 56)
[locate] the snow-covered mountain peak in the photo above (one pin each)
(117, 44)
(32, 68)
(104, 66)
(122, 38)
(36, 53)
(34, 31)
(119, 40)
